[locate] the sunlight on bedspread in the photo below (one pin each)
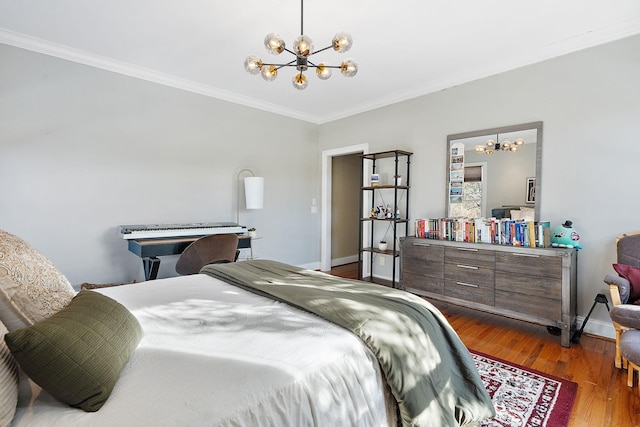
(216, 355)
(428, 368)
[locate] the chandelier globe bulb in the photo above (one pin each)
(269, 72)
(253, 64)
(303, 46)
(274, 43)
(323, 71)
(349, 67)
(300, 81)
(342, 42)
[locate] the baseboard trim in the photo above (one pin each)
(597, 327)
(344, 260)
(310, 266)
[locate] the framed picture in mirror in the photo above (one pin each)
(531, 190)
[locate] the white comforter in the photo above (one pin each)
(216, 355)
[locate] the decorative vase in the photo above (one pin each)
(382, 246)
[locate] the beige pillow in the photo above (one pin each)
(31, 288)
(8, 381)
(516, 214)
(528, 214)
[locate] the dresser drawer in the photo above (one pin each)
(470, 256)
(469, 292)
(479, 276)
(423, 251)
(422, 267)
(417, 282)
(531, 264)
(470, 283)
(533, 305)
(536, 286)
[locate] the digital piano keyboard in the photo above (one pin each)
(152, 231)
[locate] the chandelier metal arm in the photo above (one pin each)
(311, 64)
(289, 50)
(278, 66)
(322, 50)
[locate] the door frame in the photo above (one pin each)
(325, 215)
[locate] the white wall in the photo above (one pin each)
(589, 102)
(83, 150)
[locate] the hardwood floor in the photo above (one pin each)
(603, 398)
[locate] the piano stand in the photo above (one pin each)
(151, 266)
(150, 249)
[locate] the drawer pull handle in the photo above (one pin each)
(527, 255)
(468, 249)
(470, 285)
(470, 267)
(421, 244)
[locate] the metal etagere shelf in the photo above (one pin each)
(399, 225)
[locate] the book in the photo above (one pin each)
(543, 232)
(504, 231)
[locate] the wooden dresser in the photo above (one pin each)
(537, 285)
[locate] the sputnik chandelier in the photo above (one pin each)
(302, 50)
(492, 146)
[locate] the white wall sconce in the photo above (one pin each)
(253, 192)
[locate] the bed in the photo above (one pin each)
(263, 343)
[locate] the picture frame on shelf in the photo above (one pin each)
(375, 179)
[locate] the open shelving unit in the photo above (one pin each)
(399, 224)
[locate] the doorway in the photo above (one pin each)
(327, 191)
(345, 204)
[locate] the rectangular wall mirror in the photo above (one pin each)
(492, 172)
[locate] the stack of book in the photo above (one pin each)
(482, 230)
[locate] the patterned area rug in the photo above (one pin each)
(523, 397)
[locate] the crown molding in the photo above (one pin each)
(64, 52)
(590, 39)
(575, 44)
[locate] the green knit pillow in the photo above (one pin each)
(78, 353)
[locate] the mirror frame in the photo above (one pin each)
(503, 129)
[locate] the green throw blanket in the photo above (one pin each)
(429, 370)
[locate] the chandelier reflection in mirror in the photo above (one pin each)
(302, 50)
(492, 146)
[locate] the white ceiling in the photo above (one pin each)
(404, 48)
